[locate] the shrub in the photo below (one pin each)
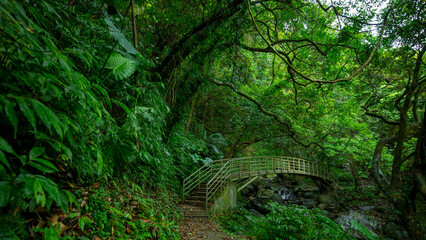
(284, 222)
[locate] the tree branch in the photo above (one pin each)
(273, 115)
(322, 81)
(379, 117)
(174, 58)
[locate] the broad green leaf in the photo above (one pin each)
(64, 201)
(67, 151)
(93, 102)
(100, 162)
(5, 190)
(28, 113)
(41, 167)
(50, 187)
(72, 199)
(4, 161)
(39, 193)
(81, 223)
(7, 234)
(28, 182)
(123, 106)
(4, 145)
(47, 166)
(2, 171)
(121, 67)
(47, 116)
(36, 152)
(11, 114)
(121, 38)
(103, 92)
(51, 233)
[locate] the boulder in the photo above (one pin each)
(367, 208)
(330, 199)
(259, 183)
(309, 203)
(322, 206)
(259, 205)
(278, 198)
(370, 224)
(266, 193)
(255, 213)
(249, 188)
(245, 192)
(309, 194)
(392, 230)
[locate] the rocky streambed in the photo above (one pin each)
(299, 190)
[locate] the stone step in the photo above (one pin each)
(194, 213)
(198, 193)
(199, 203)
(197, 216)
(199, 198)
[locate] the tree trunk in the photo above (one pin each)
(191, 112)
(419, 164)
(375, 170)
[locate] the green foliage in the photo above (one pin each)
(193, 148)
(79, 103)
(121, 67)
(123, 210)
(284, 222)
(66, 119)
(356, 225)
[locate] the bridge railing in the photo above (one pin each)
(218, 181)
(218, 172)
(194, 180)
(253, 166)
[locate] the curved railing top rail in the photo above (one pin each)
(244, 167)
(325, 172)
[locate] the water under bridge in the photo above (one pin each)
(203, 185)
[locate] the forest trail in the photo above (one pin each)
(203, 228)
(197, 225)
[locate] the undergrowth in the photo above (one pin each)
(282, 222)
(118, 210)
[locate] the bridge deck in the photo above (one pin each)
(219, 172)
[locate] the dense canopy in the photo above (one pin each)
(147, 91)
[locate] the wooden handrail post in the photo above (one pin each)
(273, 165)
(207, 194)
(183, 191)
(266, 165)
(219, 172)
(298, 163)
(304, 166)
(241, 166)
(250, 168)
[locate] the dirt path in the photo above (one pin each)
(203, 228)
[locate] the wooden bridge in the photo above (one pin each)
(208, 180)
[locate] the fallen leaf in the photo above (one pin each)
(62, 228)
(83, 202)
(54, 220)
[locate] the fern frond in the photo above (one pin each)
(356, 225)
